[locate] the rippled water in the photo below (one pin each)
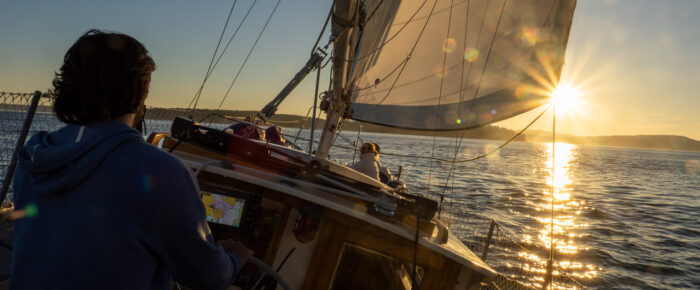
(623, 218)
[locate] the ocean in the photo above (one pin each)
(623, 218)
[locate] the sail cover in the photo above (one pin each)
(456, 64)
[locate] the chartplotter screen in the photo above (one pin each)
(221, 209)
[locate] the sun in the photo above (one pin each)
(566, 98)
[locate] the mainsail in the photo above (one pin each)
(456, 64)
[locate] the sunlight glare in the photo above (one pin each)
(566, 97)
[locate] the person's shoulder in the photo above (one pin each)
(166, 173)
(143, 154)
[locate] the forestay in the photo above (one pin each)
(456, 64)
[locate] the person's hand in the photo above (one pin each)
(237, 248)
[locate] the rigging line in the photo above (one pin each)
(488, 54)
(481, 28)
(340, 129)
(480, 156)
(369, 53)
(311, 142)
(437, 107)
(407, 57)
(234, 33)
(550, 263)
(206, 75)
(471, 107)
(459, 111)
(303, 123)
(248, 56)
(430, 171)
(307, 140)
(316, 95)
(374, 11)
(327, 61)
(411, 19)
(426, 77)
(430, 76)
(346, 139)
(549, 13)
(228, 43)
(436, 13)
(330, 12)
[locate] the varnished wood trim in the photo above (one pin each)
(275, 243)
(326, 255)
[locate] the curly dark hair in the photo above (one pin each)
(104, 76)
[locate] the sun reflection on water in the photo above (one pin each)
(566, 224)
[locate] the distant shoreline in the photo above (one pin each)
(490, 132)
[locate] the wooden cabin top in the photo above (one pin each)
(347, 224)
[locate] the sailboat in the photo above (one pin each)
(442, 65)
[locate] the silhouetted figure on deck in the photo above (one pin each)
(368, 161)
(247, 129)
(384, 173)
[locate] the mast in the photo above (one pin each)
(344, 32)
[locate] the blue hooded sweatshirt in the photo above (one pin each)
(105, 210)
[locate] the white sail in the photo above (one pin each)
(456, 64)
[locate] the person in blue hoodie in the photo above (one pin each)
(98, 207)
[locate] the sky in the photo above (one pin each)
(636, 62)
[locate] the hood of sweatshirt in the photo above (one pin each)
(61, 160)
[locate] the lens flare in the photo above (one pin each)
(146, 182)
(530, 35)
(471, 54)
(440, 71)
(449, 45)
(450, 116)
(31, 210)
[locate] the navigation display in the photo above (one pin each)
(221, 209)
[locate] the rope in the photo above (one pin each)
(437, 109)
(248, 56)
(458, 144)
(459, 112)
(480, 156)
(447, 160)
(551, 222)
(476, 92)
(408, 57)
(324, 28)
(195, 99)
(346, 139)
(303, 123)
(374, 11)
(357, 58)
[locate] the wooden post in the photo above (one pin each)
(488, 241)
(20, 142)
